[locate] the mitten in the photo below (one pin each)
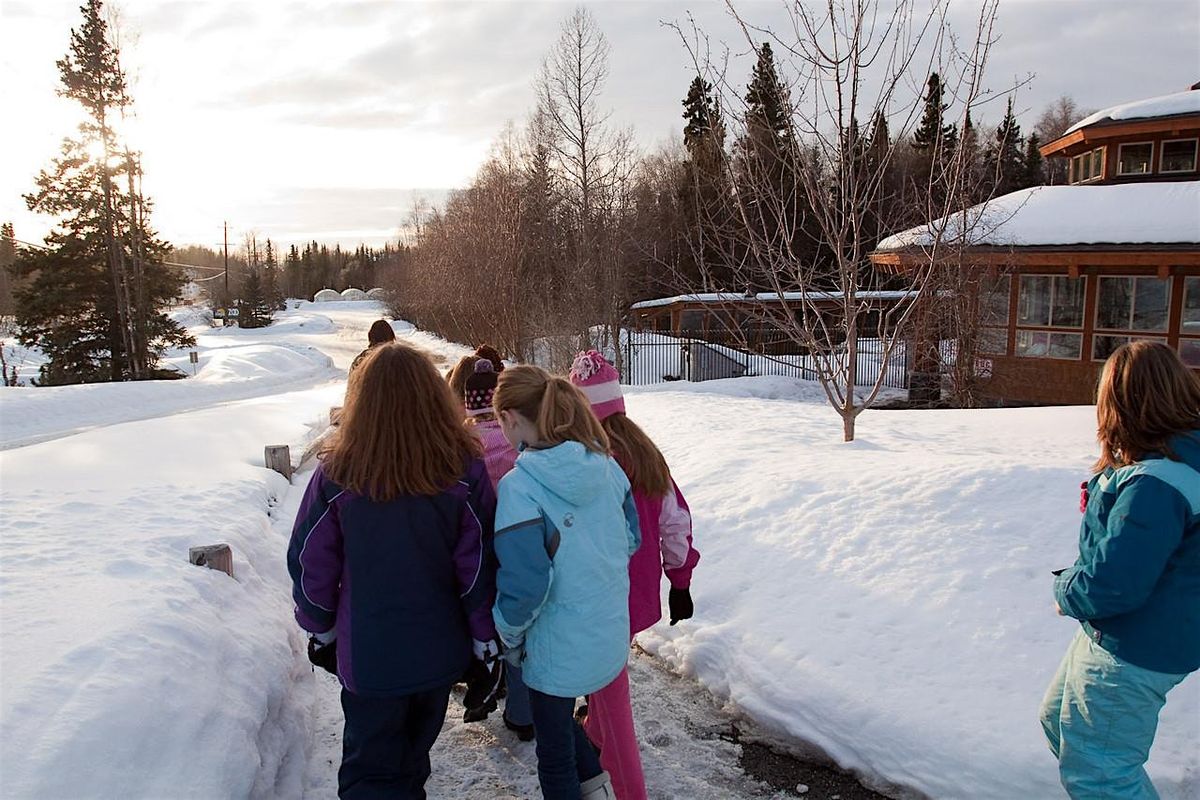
(323, 655)
(680, 603)
(483, 684)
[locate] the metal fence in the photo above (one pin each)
(655, 357)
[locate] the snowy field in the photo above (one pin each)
(888, 600)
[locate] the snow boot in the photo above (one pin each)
(524, 733)
(597, 788)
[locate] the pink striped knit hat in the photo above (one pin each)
(599, 382)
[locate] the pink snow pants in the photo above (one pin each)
(610, 727)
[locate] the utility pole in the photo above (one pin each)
(226, 267)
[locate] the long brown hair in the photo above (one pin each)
(641, 459)
(1146, 396)
(400, 432)
(554, 405)
(458, 374)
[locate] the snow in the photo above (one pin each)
(1166, 105)
(1133, 213)
(887, 601)
(766, 297)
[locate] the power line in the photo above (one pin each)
(167, 263)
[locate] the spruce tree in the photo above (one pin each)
(93, 301)
(270, 279)
(1034, 163)
(254, 309)
(8, 257)
(1006, 161)
(704, 193)
(932, 133)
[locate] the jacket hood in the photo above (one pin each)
(569, 471)
(1186, 447)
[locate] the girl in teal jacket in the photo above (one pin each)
(566, 526)
(1135, 587)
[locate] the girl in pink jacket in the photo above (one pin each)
(666, 526)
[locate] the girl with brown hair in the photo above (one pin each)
(392, 567)
(666, 531)
(566, 526)
(1135, 587)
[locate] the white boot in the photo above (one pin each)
(597, 788)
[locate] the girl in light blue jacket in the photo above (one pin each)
(566, 526)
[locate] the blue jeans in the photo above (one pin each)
(516, 704)
(565, 756)
(386, 744)
(1100, 715)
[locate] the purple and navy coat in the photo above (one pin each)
(406, 583)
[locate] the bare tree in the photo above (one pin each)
(1061, 114)
(846, 64)
(593, 161)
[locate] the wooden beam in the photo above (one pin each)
(279, 458)
(1101, 133)
(213, 556)
(904, 260)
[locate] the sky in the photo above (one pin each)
(330, 120)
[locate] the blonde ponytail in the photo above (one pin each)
(559, 411)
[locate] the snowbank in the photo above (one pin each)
(1133, 213)
(126, 671)
(888, 600)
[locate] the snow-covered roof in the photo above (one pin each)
(353, 294)
(1166, 105)
(326, 296)
(1132, 213)
(791, 297)
(377, 293)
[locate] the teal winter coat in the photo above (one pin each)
(1136, 584)
(566, 526)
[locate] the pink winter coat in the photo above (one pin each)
(666, 524)
(498, 455)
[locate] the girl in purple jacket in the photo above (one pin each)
(393, 568)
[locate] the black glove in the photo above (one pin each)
(483, 680)
(323, 655)
(680, 603)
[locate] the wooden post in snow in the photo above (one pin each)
(279, 458)
(213, 556)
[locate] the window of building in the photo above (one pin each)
(1135, 159)
(691, 321)
(1189, 331)
(1133, 304)
(1045, 344)
(993, 315)
(1050, 301)
(1104, 346)
(1087, 166)
(1178, 155)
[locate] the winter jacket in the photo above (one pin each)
(407, 583)
(566, 526)
(1136, 584)
(498, 454)
(666, 528)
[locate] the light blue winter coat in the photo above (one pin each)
(566, 526)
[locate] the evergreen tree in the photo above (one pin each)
(93, 301)
(704, 193)
(1034, 164)
(254, 309)
(769, 167)
(270, 279)
(932, 134)
(292, 276)
(1005, 158)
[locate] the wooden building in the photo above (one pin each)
(1075, 271)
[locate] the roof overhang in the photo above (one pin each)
(1102, 255)
(1118, 129)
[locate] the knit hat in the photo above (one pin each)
(600, 382)
(480, 386)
